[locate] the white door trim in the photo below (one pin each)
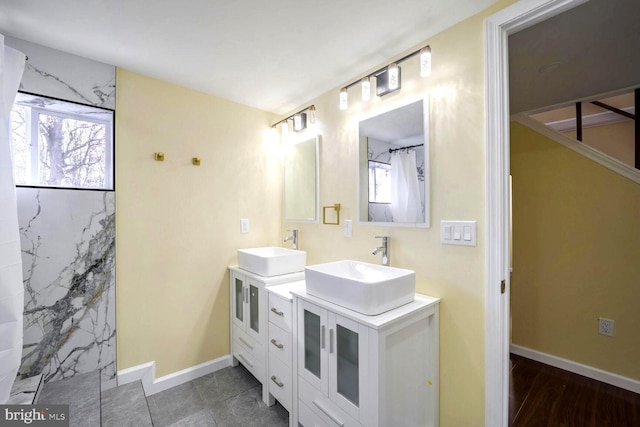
(497, 28)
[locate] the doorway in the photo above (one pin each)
(497, 29)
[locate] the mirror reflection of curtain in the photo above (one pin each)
(11, 288)
(405, 195)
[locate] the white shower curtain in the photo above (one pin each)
(405, 196)
(11, 287)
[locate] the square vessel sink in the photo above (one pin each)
(366, 288)
(271, 261)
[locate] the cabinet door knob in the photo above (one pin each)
(279, 313)
(274, 342)
(275, 380)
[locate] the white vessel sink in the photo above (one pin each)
(366, 288)
(271, 260)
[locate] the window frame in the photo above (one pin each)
(31, 129)
(375, 164)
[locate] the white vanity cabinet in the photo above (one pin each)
(372, 371)
(249, 324)
(280, 343)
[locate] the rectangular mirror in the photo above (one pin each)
(301, 181)
(393, 167)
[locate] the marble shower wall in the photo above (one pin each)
(68, 240)
(68, 255)
(61, 75)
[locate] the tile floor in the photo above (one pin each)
(227, 398)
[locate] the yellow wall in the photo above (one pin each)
(177, 224)
(616, 140)
(576, 240)
(453, 273)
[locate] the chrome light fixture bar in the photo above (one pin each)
(388, 78)
(300, 119)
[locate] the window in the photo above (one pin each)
(61, 144)
(379, 182)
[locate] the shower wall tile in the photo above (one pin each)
(61, 75)
(68, 256)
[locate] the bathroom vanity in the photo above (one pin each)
(330, 365)
(359, 370)
(249, 325)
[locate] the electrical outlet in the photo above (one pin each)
(348, 228)
(244, 225)
(605, 327)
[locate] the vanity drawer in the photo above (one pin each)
(326, 410)
(279, 380)
(250, 345)
(308, 418)
(253, 365)
(279, 344)
(280, 311)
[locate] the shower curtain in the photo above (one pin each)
(405, 196)
(11, 288)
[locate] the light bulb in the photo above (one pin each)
(297, 122)
(312, 114)
(344, 99)
(394, 76)
(366, 89)
(285, 128)
(425, 62)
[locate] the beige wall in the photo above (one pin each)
(178, 224)
(576, 240)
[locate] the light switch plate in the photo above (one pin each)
(461, 233)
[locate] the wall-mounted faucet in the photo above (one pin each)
(384, 249)
(293, 238)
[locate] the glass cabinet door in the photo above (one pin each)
(254, 306)
(312, 349)
(312, 343)
(239, 299)
(348, 363)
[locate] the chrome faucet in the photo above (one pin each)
(384, 249)
(293, 238)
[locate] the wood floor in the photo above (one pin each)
(541, 395)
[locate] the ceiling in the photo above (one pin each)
(274, 55)
(580, 54)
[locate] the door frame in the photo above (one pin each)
(497, 29)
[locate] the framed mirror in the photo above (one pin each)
(301, 180)
(393, 166)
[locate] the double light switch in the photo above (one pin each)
(458, 233)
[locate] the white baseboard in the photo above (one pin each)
(578, 368)
(146, 373)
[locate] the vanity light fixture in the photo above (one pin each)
(299, 120)
(388, 78)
